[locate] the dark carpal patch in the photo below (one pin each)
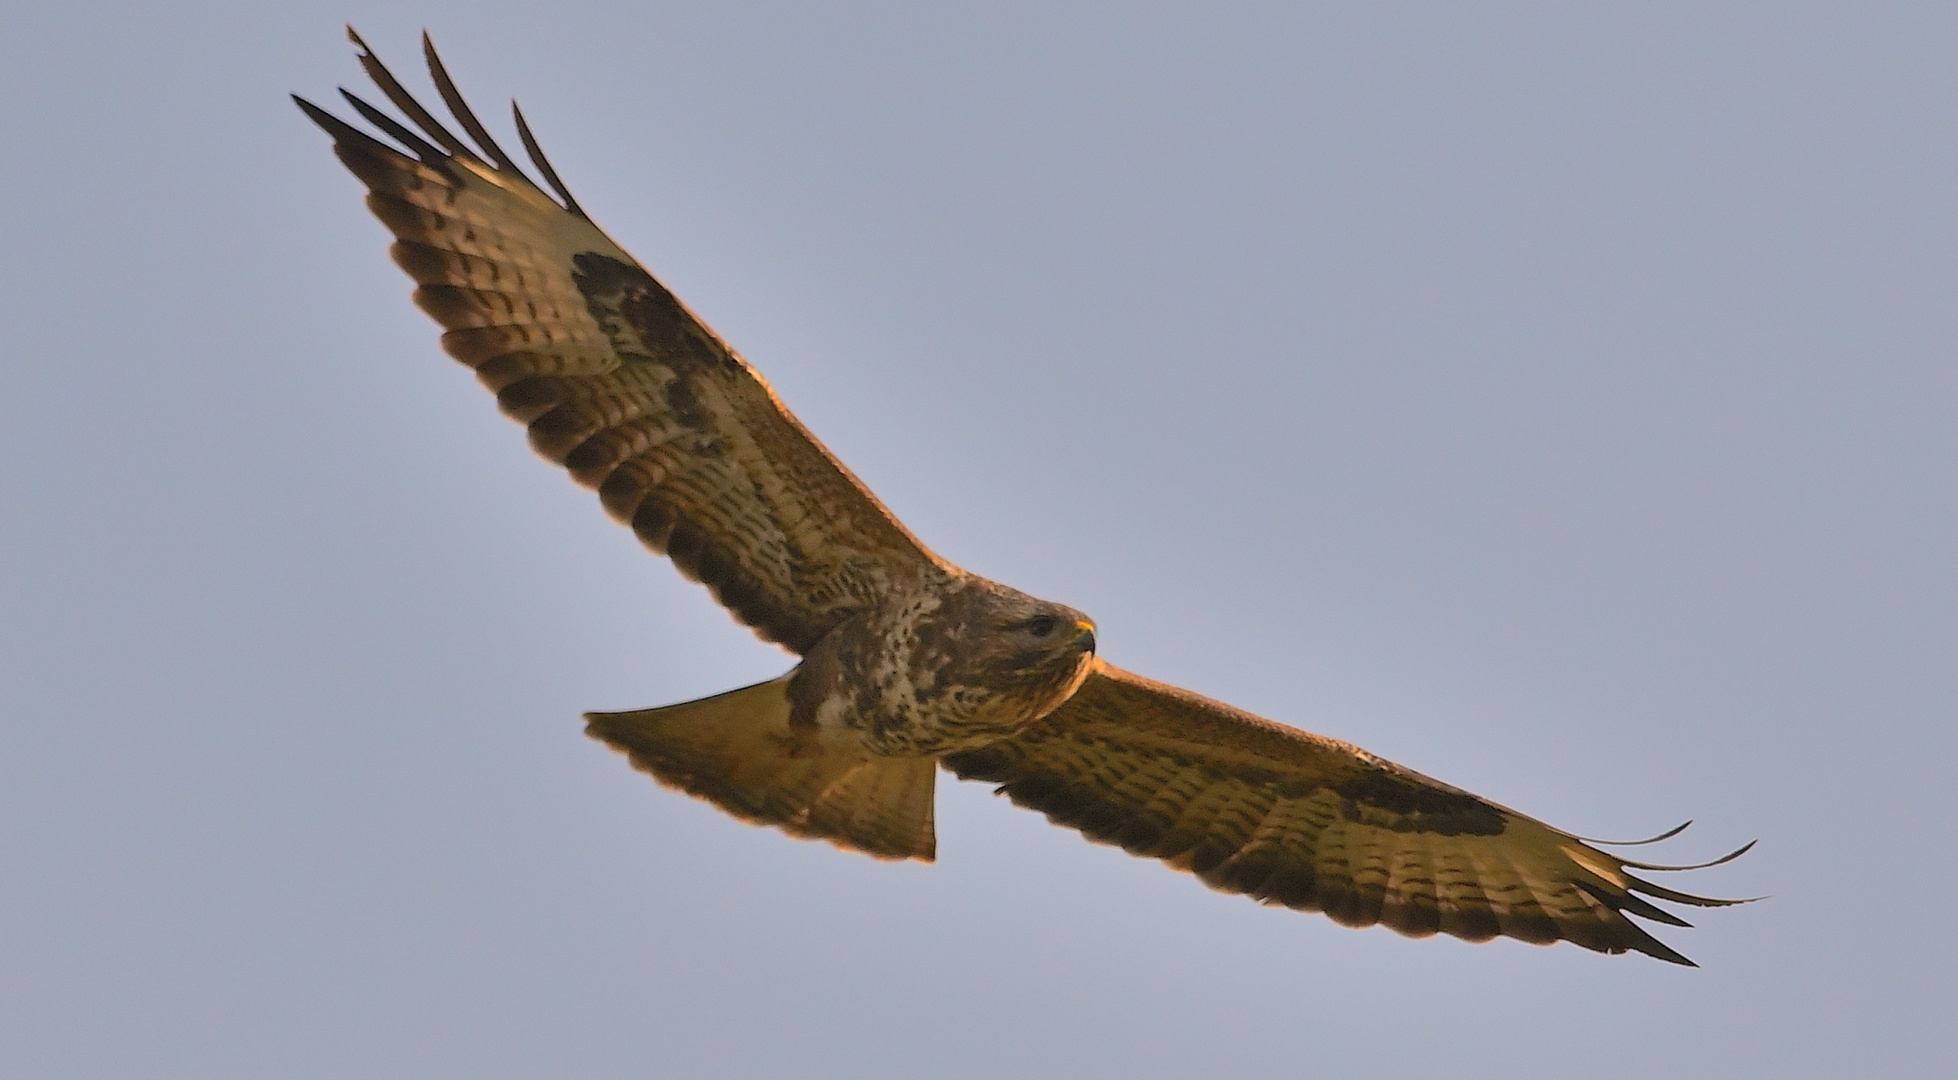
(906, 657)
(1388, 802)
(619, 292)
(686, 404)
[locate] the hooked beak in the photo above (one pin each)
(1087, 635)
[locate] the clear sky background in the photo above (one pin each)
(1559, 401)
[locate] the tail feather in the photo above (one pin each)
(883, 805)
(737, 751)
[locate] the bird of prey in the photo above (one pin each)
(908, 663)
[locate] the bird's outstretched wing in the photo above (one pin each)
(1292, 818)
(617, 380)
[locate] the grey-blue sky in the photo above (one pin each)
(1559, 402)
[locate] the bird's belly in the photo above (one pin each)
(928, 732)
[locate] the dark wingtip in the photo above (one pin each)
(459, 108)
(397, 131)
(1667, 835)
(1727, 858)
(406, 102)
(1636, 939)
(1658, 950)
(1638, 884)
(344, 134)
(326, 120)
(543, 164)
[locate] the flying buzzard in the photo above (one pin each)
(908, 662)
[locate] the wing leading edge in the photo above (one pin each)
(616, 380)
(627, 389)
(1299, 820)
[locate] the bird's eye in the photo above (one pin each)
(1042, 625)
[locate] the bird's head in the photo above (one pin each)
(1029, 653)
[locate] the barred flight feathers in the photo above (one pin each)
(908, 661)
(1292, 818)
(618, 381)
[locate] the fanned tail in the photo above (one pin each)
(738, 751)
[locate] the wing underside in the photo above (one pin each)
(1293, 819)
(616, 380)
(638, 399)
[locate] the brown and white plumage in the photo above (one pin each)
(621, 384)
(910, 662)
(1297, 819)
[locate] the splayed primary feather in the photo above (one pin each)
(910, 662)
